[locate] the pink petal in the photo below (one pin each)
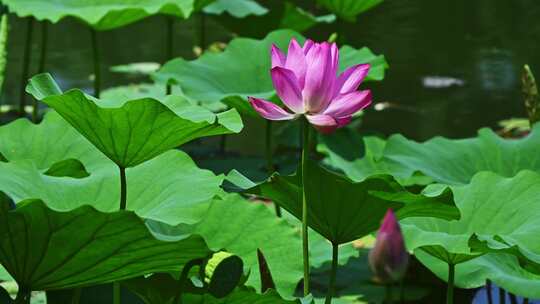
(286, 85)
(307, 45)
(269, 110)
(351, 78)
(320, 77)
(334, 51)
(323, 123)
(348, 104)
(278, 58)
(296, 61)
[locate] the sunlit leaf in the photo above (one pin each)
(241, 227)
(43, 249)
(457, 161)
(236, 8)
(342, 210)
(169, 188)
(249, 61)
(360, 157)
(492, 208)
(132, 132)
(348, 9)
(295, 18)
(100, 14)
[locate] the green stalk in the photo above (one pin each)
(401, 291)
(169, 46)
(389, 298)
(513, 298)
(269, 157)
(26, 64)
(116, 293)
(488, 292)
(42, 60)
(123, 188)
(305, 241)
(76, 296)
(184, 277)
(96, 55)
(202, 31)
(332, 284)
(123, 205)
(23, 296)
(502, 296)
(450, 290)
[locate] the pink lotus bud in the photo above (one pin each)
(389, 258)
(307, 82)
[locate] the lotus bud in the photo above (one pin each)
(389, 259)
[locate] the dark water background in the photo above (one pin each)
(481, 43)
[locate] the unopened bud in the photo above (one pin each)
(389, 259)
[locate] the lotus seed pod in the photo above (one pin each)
(222, 273)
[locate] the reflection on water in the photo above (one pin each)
(471, 51)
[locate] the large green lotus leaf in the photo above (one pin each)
(295, 18)
(208, 78)
(132, 132)
(236, 8)
(281, 15)
(348, 9)
(4, 275)
(360, 157)
(242, 227)
(342, 210)
(457, 161)
(44, 249)
(168, 188)
(491, 207)
(502, 269)
(100, 14)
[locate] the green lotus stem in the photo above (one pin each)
(169, 46)
(305, 241)
(76, 296)
(525, 300)
(502, 296)
(450, 290)
(26, 64)
(184, 277)
(4, 34)
(202, 31)
(488, 292)
(123, 188)
(42, 60)
(389, 298)
(332, 284)
(401, 291)
(269, 157)
(23, 296)
(117, 293)
(96, 55)
(222, 144)
(513, 298)
(123, 205)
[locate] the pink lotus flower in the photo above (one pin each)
(307, 82)
(389, 259)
